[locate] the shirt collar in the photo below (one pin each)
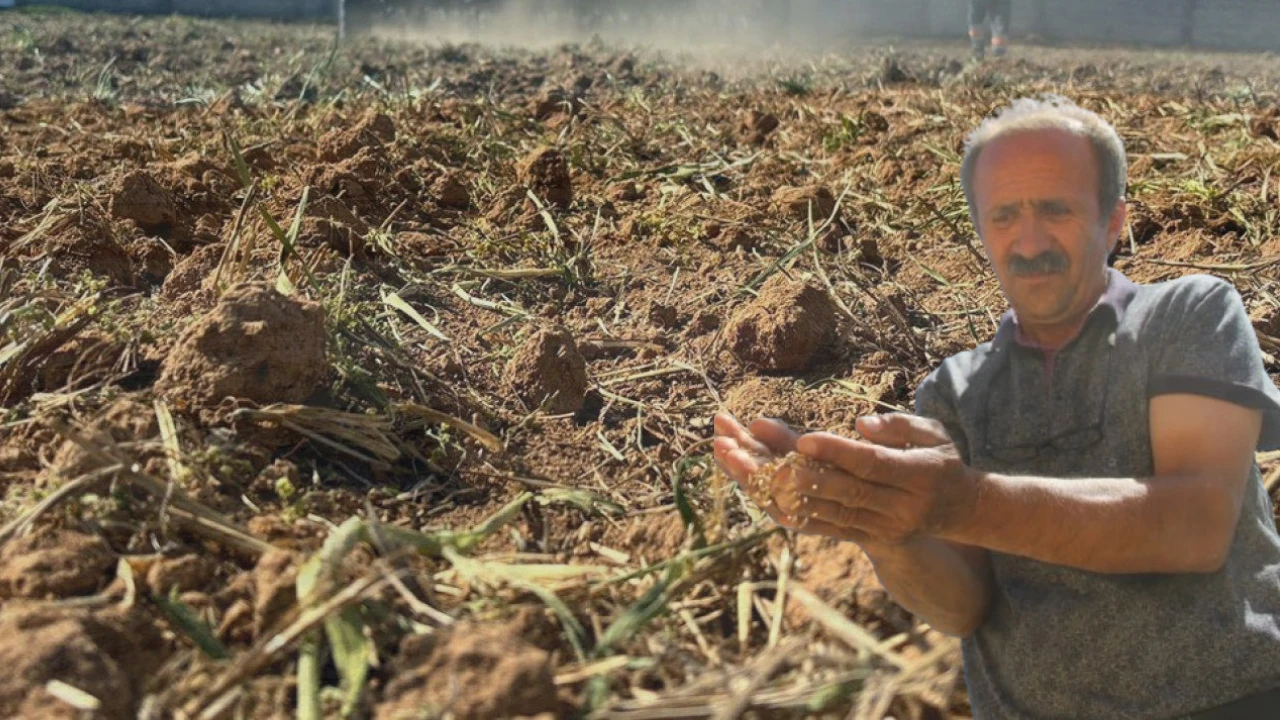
(1116, 297)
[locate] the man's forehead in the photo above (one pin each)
(1042, 143)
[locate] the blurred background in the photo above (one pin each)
(1252, 25)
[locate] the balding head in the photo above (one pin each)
(1052, 113)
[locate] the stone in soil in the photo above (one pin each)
(546, 172)
(549, 372)
(782, 329)
(255, 345)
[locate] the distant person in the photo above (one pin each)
(1078, 498)
(992, 14)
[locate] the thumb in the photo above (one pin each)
(901, 430)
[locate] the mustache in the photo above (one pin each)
(1044, 263)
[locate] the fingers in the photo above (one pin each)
(842, 488)
(780, 438)
(825, 513)
(740, 465)
(737, 463)
(900, 430)
(862, 460)
(728, 426)
(813, 526)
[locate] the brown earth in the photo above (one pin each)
(139, 197)
(784, 327)
(50, 564)
(109, 654)
(546, 173)
(474, 672)
(255, 344)
(548, 372)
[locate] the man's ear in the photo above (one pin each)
(1115, 225)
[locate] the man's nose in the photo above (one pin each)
(1031, 238)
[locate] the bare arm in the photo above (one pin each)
(947, 585)
(1180, 520)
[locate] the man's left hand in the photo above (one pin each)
(875, 494)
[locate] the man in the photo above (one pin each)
(995, 13)
(1078, 498)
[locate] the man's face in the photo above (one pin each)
(1036, 194)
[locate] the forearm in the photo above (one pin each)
(935, 582)
(1110, 525)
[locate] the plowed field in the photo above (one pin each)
(378, 379)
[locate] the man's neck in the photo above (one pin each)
(1055, 336)
(1051, 337)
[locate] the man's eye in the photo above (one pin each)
(1056, 210)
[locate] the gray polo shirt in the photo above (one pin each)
(1071, 644)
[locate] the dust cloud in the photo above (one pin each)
(710, 30)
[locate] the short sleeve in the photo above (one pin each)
(1208, 348)
(934, 400)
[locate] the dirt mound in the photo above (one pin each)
(193, 273)
(274, 589)
(475, 672)
(549, 372)
(546, 172)
(556, 101)
(54, 564)
(372, 130)
(181, 574)
(329, 222)
(624, 192)
(797, 201)
(757, 126)
(82, 240)
(255, 344)
(139, 197)
(125, 420)
(783, 328)
(450, 192)
(109, 654)
(1266, 125)
(84, 359)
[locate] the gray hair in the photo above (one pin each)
(1053, 113)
